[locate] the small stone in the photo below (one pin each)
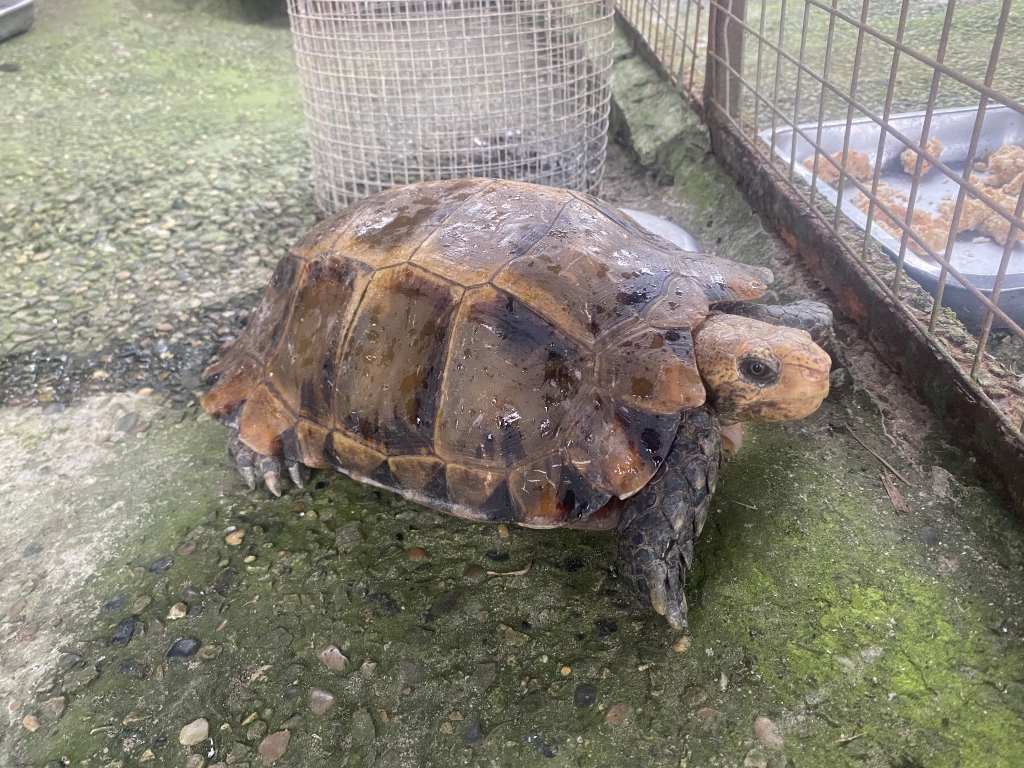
(116, 603)
(273, 746)
(161, 564)
(417, 555)
(755, 759)
(767, 733)
(472, 735)
(234, 538)
(81, 678)
(707, 712)
(320, 700)
(412, 672)
(256, 730)
(208, 652)
(682, 644)
(585, 696)
(146, 756)
(503, 531)
(124, 631)
(196, 731)
(348, 538)
(187, 548)
(131, 668)
(363, 732)
(183, 648)
(127, 422)
(54, 708)
(195, 761)
(474, 571)
(565, 671)
(31, 723)
(446, 727)
(367, 669)
(618, 713)
(332, 658)
(455, 716)
(384, 602)
(177, 611)
(513, 637)
(141, 604)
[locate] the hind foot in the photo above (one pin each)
(254, 466)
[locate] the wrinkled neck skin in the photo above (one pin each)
(754, 371)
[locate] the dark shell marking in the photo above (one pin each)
(496, 350)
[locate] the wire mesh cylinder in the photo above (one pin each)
(417, 90)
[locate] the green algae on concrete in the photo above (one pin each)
(868, 637)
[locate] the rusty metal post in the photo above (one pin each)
(722, 84)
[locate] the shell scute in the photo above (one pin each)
(303, 370)
(386, 229)
(491, 228)
(388, 378)
(586, 275)
(511, 378)
(263, 421)
(653, 370)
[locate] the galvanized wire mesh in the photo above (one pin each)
(402, 91)
(844, 102)
(676, 33)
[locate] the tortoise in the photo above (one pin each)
(514, 353)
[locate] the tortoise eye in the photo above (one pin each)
(758, 371)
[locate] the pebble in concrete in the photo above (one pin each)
(54, 708)
(585, 695)
(196, 731)
(618, 713)
(123, 633)
(320, 700)
(273, 747)
(332, 658)
(183, 648)
(767, 733)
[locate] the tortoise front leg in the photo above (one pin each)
(659, 524)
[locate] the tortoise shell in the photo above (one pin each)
(497, 350)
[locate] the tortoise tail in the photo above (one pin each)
(237, 377)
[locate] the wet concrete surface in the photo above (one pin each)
(158, 612)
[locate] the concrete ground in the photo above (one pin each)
(158, 612)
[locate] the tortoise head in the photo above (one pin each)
(760, 372)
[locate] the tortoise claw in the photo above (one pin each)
(244, 459)
(298, 471)
(269, 469)
(273, 481)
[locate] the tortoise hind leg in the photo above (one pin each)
(253, 466)
(659, 524)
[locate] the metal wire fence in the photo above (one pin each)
(903, 118)
(398, 91)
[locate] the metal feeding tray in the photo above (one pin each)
(977, 261)
(16, 16)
